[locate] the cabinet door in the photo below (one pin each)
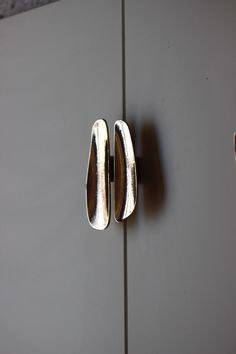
(181, 81)
(61, 283)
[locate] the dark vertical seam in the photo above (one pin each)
(125, 265)
(123, 63)
(125, 290)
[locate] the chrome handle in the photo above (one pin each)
(98, 177)
(125, 172)
(100, 172)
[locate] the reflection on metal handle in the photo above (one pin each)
(98, 177)
(125, 172)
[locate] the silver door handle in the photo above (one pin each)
(101, 170)
(125, 172)
(98, 177)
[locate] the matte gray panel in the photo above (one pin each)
(61, 283)
(181, 84)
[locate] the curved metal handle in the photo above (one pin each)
(125, 172)
(98, 177)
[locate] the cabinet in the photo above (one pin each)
(63, 285)
(181, 77)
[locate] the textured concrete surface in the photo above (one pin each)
(13, 7)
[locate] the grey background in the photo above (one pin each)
(181, 86)
(61, 282)
(13, 7)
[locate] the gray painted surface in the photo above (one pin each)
(13, 7)
(181, 82)
(61, 283)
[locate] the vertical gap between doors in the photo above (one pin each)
(125, 222)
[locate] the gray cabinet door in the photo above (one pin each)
(181, 82)
(61, 283)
